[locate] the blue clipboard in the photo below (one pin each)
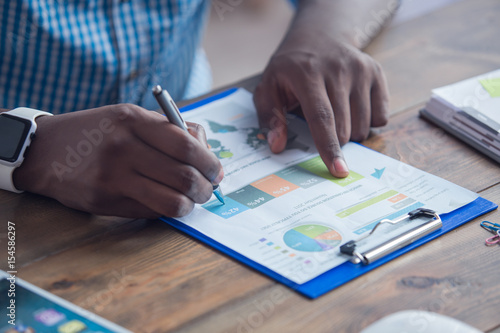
(348, 271)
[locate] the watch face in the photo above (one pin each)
(13, 133)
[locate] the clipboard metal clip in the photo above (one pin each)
(395, 243)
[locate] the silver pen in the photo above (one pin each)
(173, 114)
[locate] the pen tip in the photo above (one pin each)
(157, 89)
(219, 195)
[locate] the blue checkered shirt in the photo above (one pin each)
(67, 55)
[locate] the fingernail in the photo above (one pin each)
(340, 166)
(271, 137)
(219, 178)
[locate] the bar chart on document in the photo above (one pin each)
(304, 176)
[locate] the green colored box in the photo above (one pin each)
(316, 166)
(492, 86)
(367, 203)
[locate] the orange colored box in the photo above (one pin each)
(397, 198)
(274, 185)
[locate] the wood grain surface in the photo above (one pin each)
(449, 45)
(148, 277)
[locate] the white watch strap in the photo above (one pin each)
(6, 181)
(27, 113)
(6, 171)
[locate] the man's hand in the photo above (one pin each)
(120, 160)
(341, 90)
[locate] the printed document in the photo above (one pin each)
(285, 211)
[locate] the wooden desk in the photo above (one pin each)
(148, 277)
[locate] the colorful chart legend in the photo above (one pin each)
(312, 238)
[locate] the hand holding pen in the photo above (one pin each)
(173, 114)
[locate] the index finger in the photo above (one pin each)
(318, 112)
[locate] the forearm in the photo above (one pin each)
(355, 22)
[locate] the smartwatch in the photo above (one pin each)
(17, 129)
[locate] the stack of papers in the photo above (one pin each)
(470, 110)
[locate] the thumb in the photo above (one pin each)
(198, 132)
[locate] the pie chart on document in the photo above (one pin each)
(312, 238)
